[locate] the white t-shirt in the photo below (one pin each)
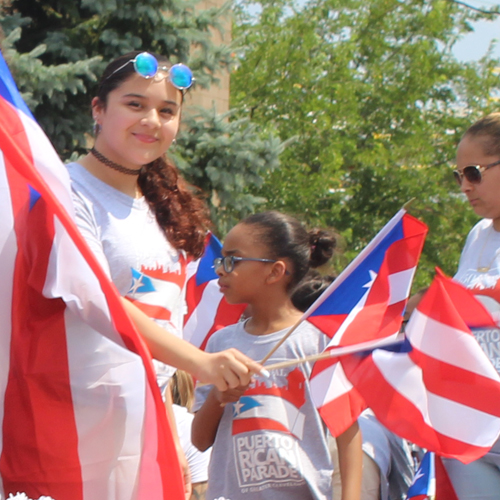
(132, 248)
(479, 270)
(197, 460)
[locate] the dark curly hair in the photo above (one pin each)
(179, 212)
(286, 237)
(310, 288)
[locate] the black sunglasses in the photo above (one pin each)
(228, 261)
(473, 173)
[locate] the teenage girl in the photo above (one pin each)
(269, 442)
(140, 217)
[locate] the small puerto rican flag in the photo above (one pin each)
(208, 310)
(424, 482)
(431, 481)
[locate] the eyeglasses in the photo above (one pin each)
(473, 173)
(146, 65)
(228, 261)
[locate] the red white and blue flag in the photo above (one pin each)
(423, 486)
(440, 391)
(431, 481)
(207, 308)
(365, 303)
(82, 416)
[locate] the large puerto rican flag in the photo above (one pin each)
(208, 310)
(82, 417)
(365, 303)
(440, 391)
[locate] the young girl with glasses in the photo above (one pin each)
(140, 217)
(268, 439)
(478, 173)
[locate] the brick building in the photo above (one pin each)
(218, 94)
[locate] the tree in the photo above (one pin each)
(57, 48)
(249, 155)
(377, 102)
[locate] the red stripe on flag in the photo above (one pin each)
(340, 413)
(44, 441)
(227, 314)
(405, 253)
(253, 424)
(391, 322)
(156, 312)
(455, 383)
(444, 487)
(193, 295)
(458, 306)
(390, 407)
(327, 323)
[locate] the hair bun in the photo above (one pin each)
(323, 245)
(309, 289)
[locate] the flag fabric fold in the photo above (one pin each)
(82, 416)
(365, 303)
(207, 308)
(440, 391)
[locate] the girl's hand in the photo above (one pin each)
(227, 369)
(230, 395)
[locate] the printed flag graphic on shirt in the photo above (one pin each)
(365, 303)
(250, 410)
(82, 417)
(440, 391)
(431, 481)
(208, 310)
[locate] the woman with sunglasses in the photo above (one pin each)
(140, 217)
(478, 174)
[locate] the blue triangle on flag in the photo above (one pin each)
(34, 196)
(206, 271)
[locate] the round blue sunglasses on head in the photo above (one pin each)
(146, 65)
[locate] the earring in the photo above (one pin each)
(97, 129)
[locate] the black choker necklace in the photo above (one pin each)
(112, 164)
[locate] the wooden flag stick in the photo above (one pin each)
(339, 351)
(406, 206)
(287, 334)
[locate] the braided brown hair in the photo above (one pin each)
(179, 212)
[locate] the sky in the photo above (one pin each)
(474, 45)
